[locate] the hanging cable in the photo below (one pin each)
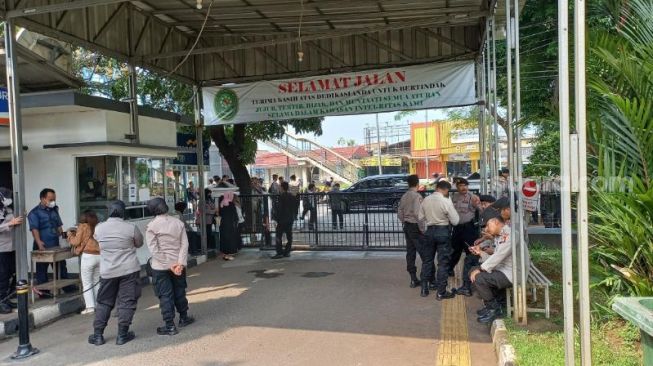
(197, 39)
(300, 52)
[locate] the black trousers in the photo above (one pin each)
(437, 240)
(123, 291)
(337, 215)
(171, 291)
(312, 211)
(491, 286)
(413, 237)
(462, 235)
(284, 228)
(7, 273)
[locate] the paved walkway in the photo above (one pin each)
(317, 308)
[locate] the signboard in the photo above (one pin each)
(459, 157)
(404, 88)
(530, 195)
(187, 149)
(132, 193)
(4, 107)
(464, 136)
(385, 161)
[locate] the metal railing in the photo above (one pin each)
(331, 221)
(300, 148)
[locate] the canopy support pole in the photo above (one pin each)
(199, 136)
(25, 348)
(582, 219)
(565, 180)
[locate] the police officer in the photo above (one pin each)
(408, 214)
(465, 233)
(438, 213)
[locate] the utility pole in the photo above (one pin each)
(426, 138)
(378, 141)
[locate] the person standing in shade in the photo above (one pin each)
(438, 213)
(46, 227)
(502, 186)
(285, 217)
(119, 274)
(166, 238)
(86, 246)
(336, 203)
(408, 214)
(8, 222)
(294, 187)
(464, 234)
(310, 206)
(229, 234)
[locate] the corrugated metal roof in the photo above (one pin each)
(248, 40)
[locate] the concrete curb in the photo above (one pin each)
(503, 349)
(44, 315)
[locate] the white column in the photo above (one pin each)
(565, 180)
(582, 212)
(523, 239)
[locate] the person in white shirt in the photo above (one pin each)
(495, 273)
(438, 214)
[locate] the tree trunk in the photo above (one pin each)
(231, 150)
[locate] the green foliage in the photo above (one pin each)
(625, 90)
(622, 232)
(547, 348)
(622, 90)
(109, 78)
(545, 160)
(346, 142)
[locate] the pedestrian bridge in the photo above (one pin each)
(315, 308)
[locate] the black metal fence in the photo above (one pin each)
(348, 221)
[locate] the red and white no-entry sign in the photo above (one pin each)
(529, 189)
(530, 195)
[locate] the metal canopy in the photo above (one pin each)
(249, 40)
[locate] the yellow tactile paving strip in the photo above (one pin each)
(453, 343)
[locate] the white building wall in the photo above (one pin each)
(55, 168)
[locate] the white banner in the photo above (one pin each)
(404, 88)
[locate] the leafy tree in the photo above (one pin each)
(238, 143)
(346, 142)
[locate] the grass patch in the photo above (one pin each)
(541, 343)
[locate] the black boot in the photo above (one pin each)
(185, 320)
(463, 290)
(425, 289)
(444, 295)
(97, 338)
(494, 311)
(414, 282)
(124, 335)
(169, 329)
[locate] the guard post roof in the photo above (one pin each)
(253, 40)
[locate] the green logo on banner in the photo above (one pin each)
(226, 104)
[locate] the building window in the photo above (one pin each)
(97, 183)
(134, 180)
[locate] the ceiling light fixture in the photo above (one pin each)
(199, 4)
(300, 53)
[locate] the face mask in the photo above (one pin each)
(51, 204)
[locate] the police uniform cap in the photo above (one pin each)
(487, 198)
(501, 203)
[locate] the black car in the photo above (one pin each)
(378, 192)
